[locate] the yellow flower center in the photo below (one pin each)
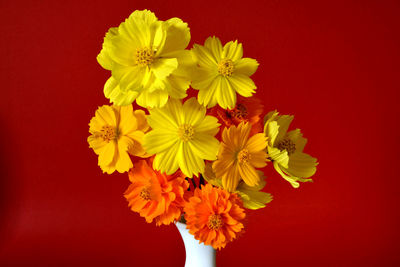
(144, 56)
(225, 67)
(288, 145)
(186, 132)
(108, 133)
(244, 156)
(215, 222)
(145, 194)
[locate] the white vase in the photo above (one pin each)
(197, 255)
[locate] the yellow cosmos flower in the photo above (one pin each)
(182, 136)
(286, 149)
(147, 59)
(239, 155)
(117, 132)
(222, 72)
(252, 196)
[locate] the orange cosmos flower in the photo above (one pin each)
(154, 195)
(247, 109)
(239, 155)
(214, 216)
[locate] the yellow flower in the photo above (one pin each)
(147, 60)
(285, 149)
(239, 155)
(115, 133)
(222, 72)
(252, 196)
(182, 136)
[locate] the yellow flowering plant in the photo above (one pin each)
(199, 160)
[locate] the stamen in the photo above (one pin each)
(144, 56)
(185, 132)
(145, 194)
(215, 222)
(240, 111)
(108, 133)
(244, 156)
(226, 67)
(288, 145)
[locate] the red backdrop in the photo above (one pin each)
(335, 66)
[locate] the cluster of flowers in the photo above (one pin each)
(217, 136)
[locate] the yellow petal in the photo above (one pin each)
(124, 162)
(257, 142)
(208, 126)
(107, 114)
(107, 155)
(248, 174)
(226, 94)
(194, 113)
(214, 45)
(246, 66)
(204, 56)
(302, 165)
(205, 146)
(167, 161)
(284, 122)
(178, 35)
(290, 179)
(148, 99)
(163, 67)
(231, 178)
(104, 58)
(242, 84)
(157, 141)
(232, 50)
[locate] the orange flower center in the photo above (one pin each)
(145, 194)
(144, 56)
(226, 67)
(241, 111)
(288, 145)
(186, 132)
(215, 222)
(108, 133)
(244, 156)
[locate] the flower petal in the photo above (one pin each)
(163, 67)
(232, 50)
(246, 66)
(242, 84)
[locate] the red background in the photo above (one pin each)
(334, 65)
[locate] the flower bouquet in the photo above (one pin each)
(199, 159)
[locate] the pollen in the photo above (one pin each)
(244, 156)
(144, 56)
(145, 194)
(226, 67)
(186, 132)
(288, 145)
(215, 222)
(108, 133)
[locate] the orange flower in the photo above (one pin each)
(247, 109)
(214, 216)
(156, 196)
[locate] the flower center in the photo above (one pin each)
(243, 156)
(215, 222)
(145, 194)
(185, 132)
(225, 67)
(108, 133)
(240, 111)
(144, 56)
(288, 145)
